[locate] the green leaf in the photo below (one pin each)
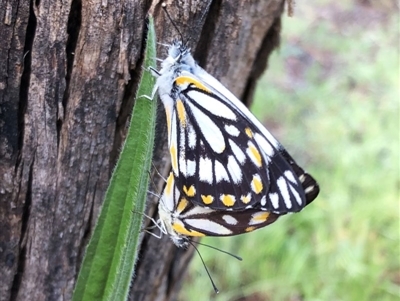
(108, 265)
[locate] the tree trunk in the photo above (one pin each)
(68, 72)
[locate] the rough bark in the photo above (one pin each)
(68, 71)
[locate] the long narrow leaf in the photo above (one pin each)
(110, 257)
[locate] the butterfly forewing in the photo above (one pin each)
(223, 160)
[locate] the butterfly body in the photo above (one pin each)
(223, 158)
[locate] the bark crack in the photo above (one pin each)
(9, 48)
(128, 102)
(270, 42)
(209, 27)
(22, 243)
(86, 234)
(25, 77)
(73, 30)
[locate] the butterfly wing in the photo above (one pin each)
(182, 219)
(222, 157)
(219, 223)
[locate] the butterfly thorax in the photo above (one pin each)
(178, 59)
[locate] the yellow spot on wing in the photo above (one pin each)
(181, 112)
(249, 229)
(182, 205)
(180, 228)
(174, 157)
(182, 80)
(191, 191)
(170, 184)
(256, 184)
(168, 113)
(207, 199)
(256, 154)
(249, 132)
(245, 199)
(260, 217)
(228, 200)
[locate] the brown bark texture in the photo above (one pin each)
(68, 73)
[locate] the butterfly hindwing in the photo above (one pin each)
(182, 219)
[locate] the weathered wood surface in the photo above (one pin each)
(68, 71)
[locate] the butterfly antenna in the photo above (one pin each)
(205, 267)
(164, 7)
(205, 12)
(214, 248)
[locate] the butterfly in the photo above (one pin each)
(223, 158)
(180, 219)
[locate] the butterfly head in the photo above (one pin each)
(181, 241)
(179, 58)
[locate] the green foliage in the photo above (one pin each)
(332, 100)
(111, 255)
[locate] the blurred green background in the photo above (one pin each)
(331, 96)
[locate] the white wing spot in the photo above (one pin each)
(182, 152)
(229, 219)
(274, 197)
(309, 189)
(263, 201)
(207, 102)
(172, 145)
(284, 191)
(220, 172)
(209, 129)
(207, 225)
(205, 170)
(234, 170)
(289, 175)
(182, 162)
(192, 137)
(239, 154)
(196, 210)
(232, 130)
(296, 195)
(172, 135)
(190, 168)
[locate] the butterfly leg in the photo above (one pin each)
(153, 93)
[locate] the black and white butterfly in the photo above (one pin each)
(180, 219)
(223, 159)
